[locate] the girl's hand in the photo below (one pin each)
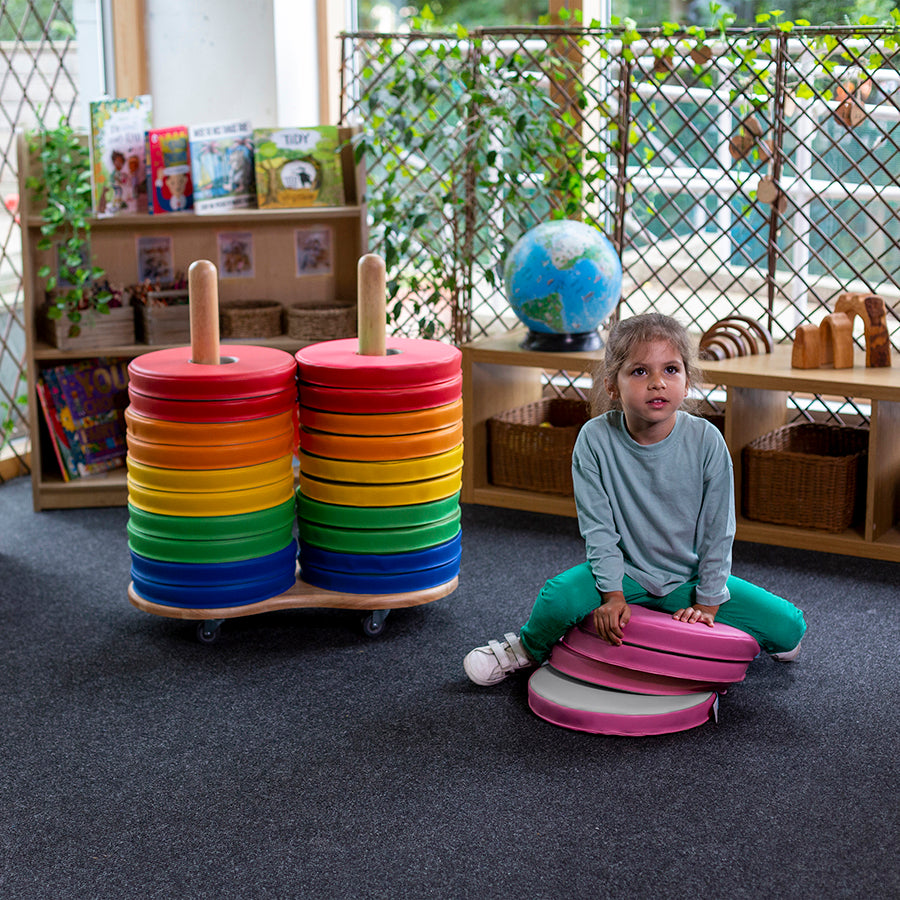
(697, 613)
(611, 617)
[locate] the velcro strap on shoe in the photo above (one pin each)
(503, 658)
(517, 649)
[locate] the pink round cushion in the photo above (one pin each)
(570, 662)
(654, 642)
(564, 701)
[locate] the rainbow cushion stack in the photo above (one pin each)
(210, 477)
(380, 466)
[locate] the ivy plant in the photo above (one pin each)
(61, 189)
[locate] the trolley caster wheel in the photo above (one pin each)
(373, 624)
(208, 630)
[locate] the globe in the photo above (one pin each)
(563, 279)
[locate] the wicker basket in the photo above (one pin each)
(526, 454)
(321, 323)
(251, 319)
(805, 475)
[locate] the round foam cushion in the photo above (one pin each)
(203, 480)
(402, 583)
(406, 363)
(216, 574)
(204, 434)
(383, 400)
(574, 664)
(412, 422)
(381, 540)
(215, 456)
(570, 703)
(245, 371)
(376, 564)
(381, 447)
(211, 503)
(389, 471)
(209, 551)
(659, 631)
(200, 528)
(218, 596)
(655, 642)
(239, 410)
(381, 494)
(374, 518)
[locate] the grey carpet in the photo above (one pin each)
(297, 758)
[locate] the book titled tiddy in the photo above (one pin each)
(298, 166)
(169, 170)
(118, 155)
(222, 166)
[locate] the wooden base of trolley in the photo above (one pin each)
(300, 596)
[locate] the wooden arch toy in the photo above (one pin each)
(212, 505)
(831, 342)
(664, 677)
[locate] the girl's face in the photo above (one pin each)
(651, 386)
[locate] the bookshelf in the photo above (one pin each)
(194, 237)
(499, 375)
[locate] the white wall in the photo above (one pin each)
(212, 59)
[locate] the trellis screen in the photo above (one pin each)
(754, 172)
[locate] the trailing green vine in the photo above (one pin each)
(61, 188)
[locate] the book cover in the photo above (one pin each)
(118, 155)
(58, 439)
(169, 187)
(222, 166)
(298, 167)
(89, 398)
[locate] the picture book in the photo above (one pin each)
(118, 155)
(222, 166)
(88, 400)
(298, 167)
(58, 439)
(169, 186)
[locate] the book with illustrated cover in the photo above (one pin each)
(169, 186)
(58, 439)
(222, 166)
(298, 167)
(89, 399)
(118, 155)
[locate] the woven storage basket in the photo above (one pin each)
(805, 475)
(321, 323)
(251, 319)
(526, 454)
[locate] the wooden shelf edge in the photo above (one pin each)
(528, 501)
(188, 219)
(848, 543)
(44, 352)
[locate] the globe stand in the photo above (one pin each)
(561, 343)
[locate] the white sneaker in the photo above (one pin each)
(787, 655)
(492, 663)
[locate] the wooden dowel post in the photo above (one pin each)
(371, 306)
(203, 296)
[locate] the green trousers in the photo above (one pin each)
(565, 600)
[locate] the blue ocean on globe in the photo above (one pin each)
(563, 277)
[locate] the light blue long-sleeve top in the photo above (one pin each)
(663, 513)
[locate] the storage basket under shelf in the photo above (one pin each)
(809, 475)
(321, 323)
(531, 456)
(251, 319)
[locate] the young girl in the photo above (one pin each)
(654, 492)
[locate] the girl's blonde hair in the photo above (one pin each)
(627, 334)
